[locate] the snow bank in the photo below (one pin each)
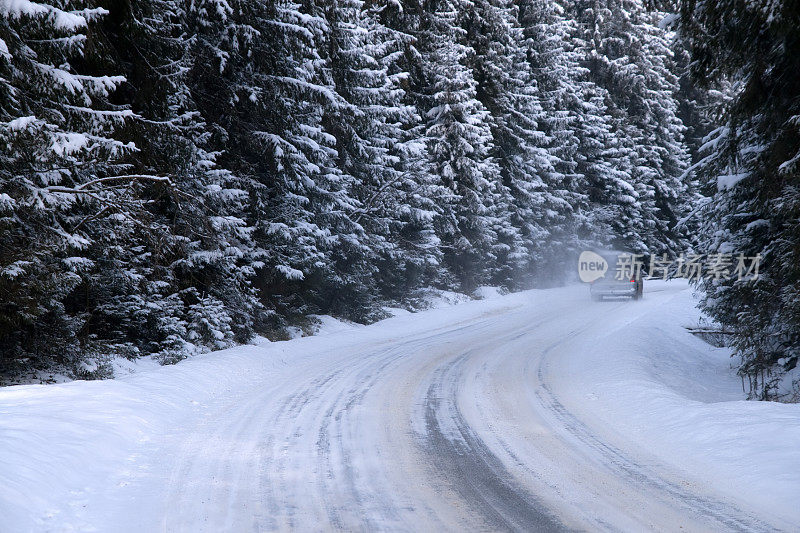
(62, 446)
(488, 293)
(651, 384)
(60, 443)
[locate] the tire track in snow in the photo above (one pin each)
(401, 434)
(470, 467)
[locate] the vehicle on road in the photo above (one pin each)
(612, 285)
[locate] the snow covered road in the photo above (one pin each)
(540, 411)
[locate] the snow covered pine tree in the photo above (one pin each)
(751, 171)
(61, 173)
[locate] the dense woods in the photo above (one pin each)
(746, 56)
(177, 176)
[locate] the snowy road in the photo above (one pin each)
(471, 420)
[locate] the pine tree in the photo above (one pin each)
(554, 67)
(62, 172)
(418, 240)
(751, 175)
(148, 226)
(196, 245)
(260, 81)
(459, 141)
(539, 206)
(394, 191)
(695, 105)
(628, 57)
(593, 160)
(177, 176)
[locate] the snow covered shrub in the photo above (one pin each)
(209, 324)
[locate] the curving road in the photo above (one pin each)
(457, 427)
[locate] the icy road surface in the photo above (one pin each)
(540, 411)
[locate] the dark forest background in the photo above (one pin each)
(177, 176)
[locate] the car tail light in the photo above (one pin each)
(633, 281)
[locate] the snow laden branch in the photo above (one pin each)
(83, 188)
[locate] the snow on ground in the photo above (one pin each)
(327, 325)
(487, 293)
(58, 441)
(74, 456)
(677, 397)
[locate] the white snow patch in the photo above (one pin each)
(62, 19)
(289, 272)
(123, 367)
(21, 123)
(488, 293)
(396, 311)
(668, 21)
(328, 325)
(728, 181)
(6, 202)
(69, 143)
(437, 298)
